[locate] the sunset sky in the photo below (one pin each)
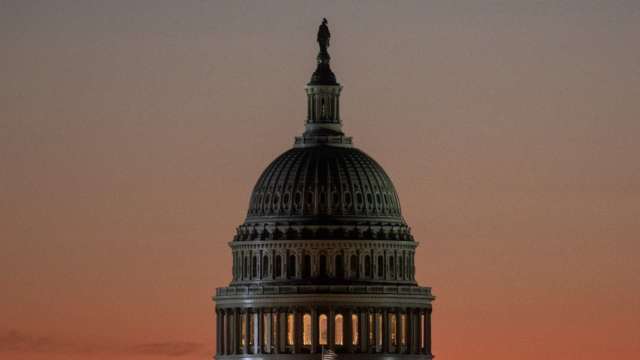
(132, 133)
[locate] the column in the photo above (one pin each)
(386, 340)
(411, 333)
(427, 330)
(258, 332)
(374, 316)
(297, 334)
(398, 330)
(314, 330)
(247, 333)
(234, 332)
(364, 330)
(218, 342)
(266, 331)
(331, 329)
(275, 331)
(282, 330)
(347, 332)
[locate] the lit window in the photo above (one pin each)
(243, 329)
(252, 322)
(290, 329)
(323, 338)
(306, 329)
(266, 331)
(354, 329)
(338, 328)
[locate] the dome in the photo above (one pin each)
(323, 263)
(324, 191)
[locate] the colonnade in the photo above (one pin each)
(309, 329)
(267, 264)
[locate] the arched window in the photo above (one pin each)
(252, 320)
(339, 267)
(380, 266)
(339, 326)
(291, 266)
(291, 329)
(367, 266)
(306, 266)
(401, 267)
(306, 329)
(392, 267)
(355, 273)
(278, 266)
(243, 329)
(323, 265)
(379, 330)
(254, 267)
(355, 339)
(266, 331)
(323, 338)
(265, 266)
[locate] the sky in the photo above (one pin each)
(132, 133)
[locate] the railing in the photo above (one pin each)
(325, 289)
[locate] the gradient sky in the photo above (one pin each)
(132, 132)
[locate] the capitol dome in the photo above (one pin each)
(324, 191)
(324, 262)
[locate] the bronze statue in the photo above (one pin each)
(323, 36)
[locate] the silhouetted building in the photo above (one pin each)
(324, 259)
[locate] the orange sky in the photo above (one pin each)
(132, 132)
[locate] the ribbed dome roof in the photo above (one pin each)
(325, 181)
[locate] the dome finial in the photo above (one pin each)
(323, 40)
(323, 74)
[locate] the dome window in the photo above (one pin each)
(339, 267)
(367, 266)
(354, 266)
(265, 266)
(306, 266)
(291, 266)
(278, 267)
